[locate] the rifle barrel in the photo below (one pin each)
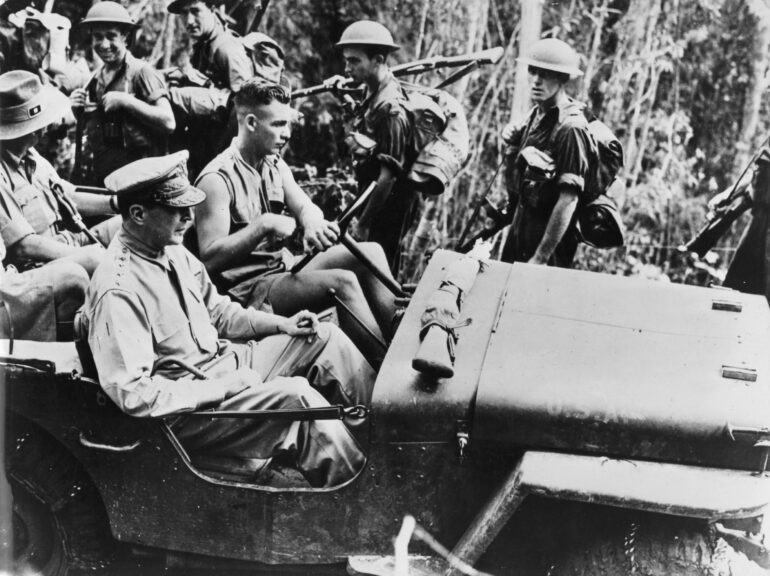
(489, 56)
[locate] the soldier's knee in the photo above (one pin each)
(375, 252)
(70, 281)
(346, 283)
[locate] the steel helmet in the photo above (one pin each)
(176, 6)
(108, 13)
(367, 33)
(553, 54)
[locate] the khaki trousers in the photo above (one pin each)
(297, 373)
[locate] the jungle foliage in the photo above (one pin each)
(681, 82)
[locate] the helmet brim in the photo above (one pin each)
(571, 71)
(350, 44)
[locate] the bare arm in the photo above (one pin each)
(90, 204)
(557, 225)
(219, 249)
(43, 249)
(320, 234)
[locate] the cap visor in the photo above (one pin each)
(190, 197)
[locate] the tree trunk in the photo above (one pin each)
(756, 85)
(529, 32)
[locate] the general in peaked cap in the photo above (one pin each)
(159, 180)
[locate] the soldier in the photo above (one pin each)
(151, 300)
(37, 42)
(240, 224)
(382, 119)
(126, 106)
(39, 304)
(553, 159)
(218, 66)
(34, 232)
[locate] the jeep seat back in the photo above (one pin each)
(80, 333)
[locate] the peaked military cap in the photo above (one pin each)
(160, 180)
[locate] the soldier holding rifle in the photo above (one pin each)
(381, 138)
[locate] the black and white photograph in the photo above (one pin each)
(393, 288)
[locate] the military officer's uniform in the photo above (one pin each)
(145, 306)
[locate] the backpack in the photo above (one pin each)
(267, 57)
(441, 140)
(599, 222)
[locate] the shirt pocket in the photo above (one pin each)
(36, 209)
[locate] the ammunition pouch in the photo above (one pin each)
(112, 130)
(537, 170)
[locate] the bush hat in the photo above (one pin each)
(26, 105)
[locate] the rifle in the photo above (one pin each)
(71, 213)
(710, 234)
(500, 217)
(468, 62)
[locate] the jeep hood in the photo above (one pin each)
(599, 363)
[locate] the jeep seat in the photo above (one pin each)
(80, 334)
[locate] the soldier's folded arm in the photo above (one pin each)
(156, 114)
(121, 341)
(218, 249)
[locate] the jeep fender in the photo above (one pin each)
(675, 489)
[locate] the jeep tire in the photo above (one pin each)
(59, 522)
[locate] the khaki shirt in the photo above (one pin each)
(138, 315)
(223, 59)
(27, 205)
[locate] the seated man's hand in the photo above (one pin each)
(320, 234)
(278, 225)
(303, 323)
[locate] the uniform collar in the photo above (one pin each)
(16, 163)
(388, 89)
(563, 106)
(142, 249)
(12, 160)
(218, 30)
(270, 160)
